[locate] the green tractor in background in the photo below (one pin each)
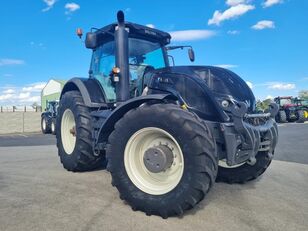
(302, 104)
(289, 111)
(48, 117)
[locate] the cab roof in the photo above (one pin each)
(136, 31)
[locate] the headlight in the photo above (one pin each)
(225, 103)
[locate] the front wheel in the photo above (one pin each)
(45, 127)
(282, 117)
(162, 159)
(300, 116)
(74, 134)
(53, 126)
(244, 172)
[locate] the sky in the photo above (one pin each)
(263, 41)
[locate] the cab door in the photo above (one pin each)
(103, 60)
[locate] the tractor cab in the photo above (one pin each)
(145, 51)
(52, 107)
(285, 101)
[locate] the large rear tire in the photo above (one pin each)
(300, 116)
(282, 117)
(177, 187)
(244, 172)
(74, 134)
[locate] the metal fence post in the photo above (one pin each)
(23, 122)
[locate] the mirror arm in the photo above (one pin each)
(169, 48)
(172, 58)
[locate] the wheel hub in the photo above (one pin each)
(73, 131)
(158, 159)
(140, 159)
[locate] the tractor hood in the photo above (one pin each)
(218, 82)
(289, 105)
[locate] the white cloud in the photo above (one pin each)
(150, 25)
(233, 12)
(30, 99)
(38, 45)
(227, 66)
(233, 32)
(264, 24)
(35, 99)
(235, 2)
(7, 75)
(281, 86)
(269, 97)
(9, 62)
(190, 35)
(249, 84)
(269, 3)
(49, 4)
(9, 91)
(5, 97)
(71, 7)
(35, 87)
(21, 96)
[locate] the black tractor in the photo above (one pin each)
(289, 110)
(166, 133)
(48, 117)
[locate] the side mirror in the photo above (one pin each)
(191, 54)
(91, 40)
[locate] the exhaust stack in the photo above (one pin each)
(121, 42)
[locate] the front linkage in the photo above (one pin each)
(244, 139)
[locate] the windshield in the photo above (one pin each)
(305, 102)
(285, 101)
(143, 54)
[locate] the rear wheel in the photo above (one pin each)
(243, 172)
(53, 126)
(300, 116)
(162, 159)
(306, 114)
(282, 117)
(45, 125)
(74, 134)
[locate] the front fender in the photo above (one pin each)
(46, 114)
(90, 90)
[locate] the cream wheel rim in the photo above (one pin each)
(223, 163)
(147, 181)
(68, 131)
(44, 124)
(53, 128)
